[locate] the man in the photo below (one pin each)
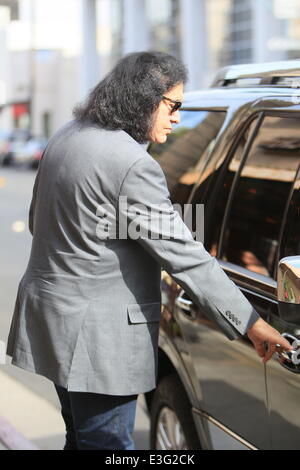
(88, 306)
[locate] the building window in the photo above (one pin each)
(164, 25)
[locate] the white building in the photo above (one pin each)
(52, 52)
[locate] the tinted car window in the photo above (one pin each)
(291, 239)
(213, 189)
(182, 156)
(252, 232)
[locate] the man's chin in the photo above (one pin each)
(159, 139)
(162, 139)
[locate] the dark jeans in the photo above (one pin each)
(94, 421)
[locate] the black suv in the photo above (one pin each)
(237, 152)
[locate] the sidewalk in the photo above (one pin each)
(28, 421)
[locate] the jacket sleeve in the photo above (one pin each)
(147, 212)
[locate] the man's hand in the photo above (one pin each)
(260, 333)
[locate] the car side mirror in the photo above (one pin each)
(288, 288)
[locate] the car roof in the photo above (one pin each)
(225, 97)
(248, 82)
(266, 72)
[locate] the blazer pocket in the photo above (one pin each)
(144, 313)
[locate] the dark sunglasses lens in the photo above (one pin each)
(176, 106)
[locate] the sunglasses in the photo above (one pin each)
(176, 104)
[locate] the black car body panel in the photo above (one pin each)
(238, 154)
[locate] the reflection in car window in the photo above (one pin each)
(252, 230)
(188, 146)
(213, 189)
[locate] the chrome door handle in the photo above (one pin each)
(184, 304)
(290, 359)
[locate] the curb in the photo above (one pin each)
(13, 439)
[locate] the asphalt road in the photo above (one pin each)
(15, 239)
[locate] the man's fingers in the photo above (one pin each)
(269, 353)
(280, 346)
(262, 333)
(260, 349)
(284, 343)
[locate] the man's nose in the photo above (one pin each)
(175, 117)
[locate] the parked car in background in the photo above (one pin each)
(12, 142)
(237, 151)
(30, 152)
(20, 147)
(4, 145)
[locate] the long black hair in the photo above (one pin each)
(127, 97)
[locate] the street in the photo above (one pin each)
(26, 395)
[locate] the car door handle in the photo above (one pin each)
(185, 305)
(290, 359)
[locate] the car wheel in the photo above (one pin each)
(172, 424)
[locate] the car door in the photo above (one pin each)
(283, 379)
(229, 375)
(252, 188)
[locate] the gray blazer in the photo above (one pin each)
(88, 307)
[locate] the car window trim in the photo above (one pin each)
(208, 108)
(284, 218)
(262, 114)
(263, 285)
(229, 113)
(270, 105)
(248, 146)
(286, 223)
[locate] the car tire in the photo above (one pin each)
(172, 425)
